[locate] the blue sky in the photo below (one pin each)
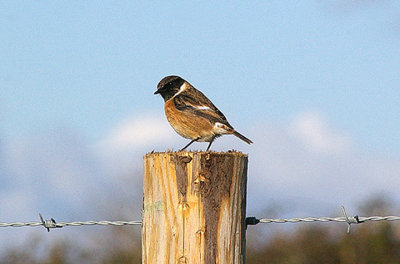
(315, 84)
(88, 65)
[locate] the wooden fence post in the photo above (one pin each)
(194, 208)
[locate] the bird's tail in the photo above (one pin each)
(245, 139)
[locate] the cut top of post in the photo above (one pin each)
(229, 152)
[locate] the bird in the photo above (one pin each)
(191, 114)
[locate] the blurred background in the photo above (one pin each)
(315, 85)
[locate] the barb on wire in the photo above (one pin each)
(354, 220)
(49, 223)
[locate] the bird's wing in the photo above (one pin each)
(197, 103)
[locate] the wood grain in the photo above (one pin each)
(194, 207)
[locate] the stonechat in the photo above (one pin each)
(191, 114)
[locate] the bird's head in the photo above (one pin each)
(169, 86)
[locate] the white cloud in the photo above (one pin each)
(120, 151)
(137, 132)
(315, 134)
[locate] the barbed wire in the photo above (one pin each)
(49, 224)
(328, 219)
(63, 224)
(349, 220)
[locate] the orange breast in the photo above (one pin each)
(187, 124)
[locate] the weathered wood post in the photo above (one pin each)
(194, 208)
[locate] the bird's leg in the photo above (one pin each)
(189, 143)
(209, 145)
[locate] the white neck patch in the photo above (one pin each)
(183, 87)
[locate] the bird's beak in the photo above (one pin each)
(157, 92)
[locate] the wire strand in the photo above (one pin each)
(78, 223)
(49, 224)
(327, 219)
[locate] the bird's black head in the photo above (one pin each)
(169, 86)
